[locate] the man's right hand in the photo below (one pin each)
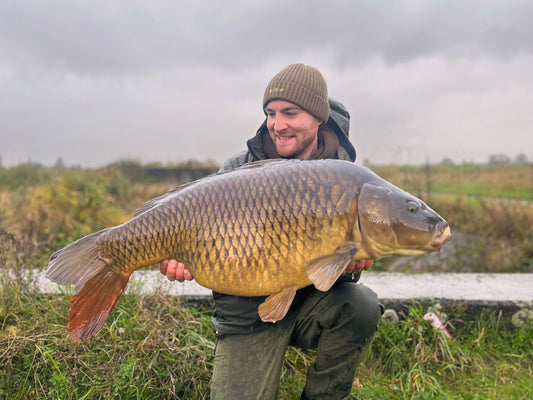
(175, 271)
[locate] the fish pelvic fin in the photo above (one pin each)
(98, 284)
(276, 306)
(324, 271)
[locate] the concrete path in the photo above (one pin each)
(390, 287)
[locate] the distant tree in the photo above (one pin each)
(499, 159)
(447, 161)
(60, 164)
(520, 159)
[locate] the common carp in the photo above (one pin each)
(265, 229)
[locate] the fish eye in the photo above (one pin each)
(412, 208)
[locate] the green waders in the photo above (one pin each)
(340, 324)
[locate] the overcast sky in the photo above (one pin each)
(94, 82)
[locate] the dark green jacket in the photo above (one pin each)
(236, 314)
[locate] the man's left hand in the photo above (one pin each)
(358, 266)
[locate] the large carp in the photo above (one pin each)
(268, 228)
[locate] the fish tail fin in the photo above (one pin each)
(90, 308)
(98, 283)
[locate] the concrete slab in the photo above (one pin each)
(390, 287)
(453, 286)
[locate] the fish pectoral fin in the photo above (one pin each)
(324, 271)
(275, 307)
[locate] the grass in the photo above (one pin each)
(152, 348)
(493, 181)
(155, 347)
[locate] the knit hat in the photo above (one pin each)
(302, 85)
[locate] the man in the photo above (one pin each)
(340, 324)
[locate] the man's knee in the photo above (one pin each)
(359, 306)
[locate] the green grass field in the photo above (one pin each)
(492, 181)
(154, 347)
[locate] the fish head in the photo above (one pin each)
(393, 221)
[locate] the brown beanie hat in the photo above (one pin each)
(302, 85)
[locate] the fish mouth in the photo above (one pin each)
(444, 237)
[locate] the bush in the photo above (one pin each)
(52, 215)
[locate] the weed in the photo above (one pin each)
(152, 347)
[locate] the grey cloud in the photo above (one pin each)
(83, 39)
(165, 80)
(104, 39)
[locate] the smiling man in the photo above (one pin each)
(301, 122)
(292, 130)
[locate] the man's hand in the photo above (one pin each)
(358, 266)
(175, 271)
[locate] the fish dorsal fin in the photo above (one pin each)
(160, 199)
(324, 271)
(260, 163)
(276, 305)
(156, 201)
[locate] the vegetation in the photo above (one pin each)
(154, 348)
(490, 208)
(469, 180)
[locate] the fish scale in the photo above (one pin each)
(265, 229)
